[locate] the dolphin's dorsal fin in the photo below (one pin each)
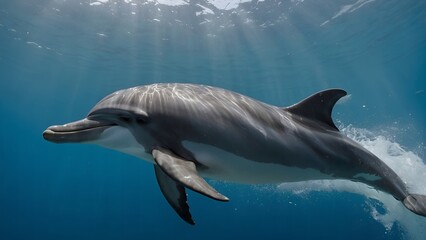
(318, 107)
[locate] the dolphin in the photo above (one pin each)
(190, 132)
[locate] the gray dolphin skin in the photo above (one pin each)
(191, 132)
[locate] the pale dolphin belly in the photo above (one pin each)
(121, 139)
(223, 165)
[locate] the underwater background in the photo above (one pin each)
(58, 58)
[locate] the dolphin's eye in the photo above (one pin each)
(125, 119)
(140, 120)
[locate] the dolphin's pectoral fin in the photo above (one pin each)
(175, 194)
(318, 107)
(416, 203)
(185, 173)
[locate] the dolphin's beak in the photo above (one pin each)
(80, 131)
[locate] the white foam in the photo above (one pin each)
(204, 10)
(98, 2)
(409, 166)
(172, 2)
(348, 8)
(227, 4)
(345, 99)
(95, 3)
(34, 44)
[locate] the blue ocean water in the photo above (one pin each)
(59, 57)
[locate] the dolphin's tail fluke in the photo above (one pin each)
(416, 203)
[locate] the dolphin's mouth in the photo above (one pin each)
(80, 131)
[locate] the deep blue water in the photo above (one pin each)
(59, 57)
